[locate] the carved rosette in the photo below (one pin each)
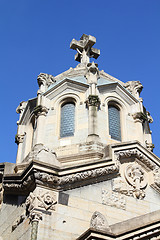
(93, 100)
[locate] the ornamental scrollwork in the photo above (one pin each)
(136, 153)
(58, 182)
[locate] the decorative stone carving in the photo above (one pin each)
(19, 138)
(47, 200)
(30, 202)
(149, 117)
(99, 222)
(113, 199)
(84, 48)
(40, 110)
(150, 146)
(93, 100)
(135, 87)
(135, 176)
(140, 117)
(22, 186)
(43, 199)
(137, 154)
(157, 176)
(59, 182)
(92, 76)
(20, 108)
(135, 184)
(44, 81)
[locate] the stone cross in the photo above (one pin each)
(84, 48)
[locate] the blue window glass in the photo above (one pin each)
(114, 122)
(67, 119)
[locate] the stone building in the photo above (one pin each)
(85, 165)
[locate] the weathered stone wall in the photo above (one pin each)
(13, 221)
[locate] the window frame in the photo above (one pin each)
(62, 103)
(119, 108)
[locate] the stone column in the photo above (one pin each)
(139, 118)
(93, 103)
(35, 218)
(40, 112)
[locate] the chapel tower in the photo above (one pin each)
(85, 166)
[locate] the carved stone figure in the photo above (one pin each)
(150, 146)
(99, 222)
(135, 87)
(45, 80)
(30, 202)
(19, 138)
(92, 76)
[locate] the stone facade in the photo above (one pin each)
(88, 184)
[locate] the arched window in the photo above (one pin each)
(67, 119)
(114, 122)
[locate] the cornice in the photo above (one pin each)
(56, 177)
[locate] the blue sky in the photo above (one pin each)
(35, 37)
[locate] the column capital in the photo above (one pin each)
(93, 100)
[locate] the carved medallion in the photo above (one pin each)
(134, 182)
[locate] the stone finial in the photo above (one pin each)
(135, 87)
(84, 48)
(44, 81)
